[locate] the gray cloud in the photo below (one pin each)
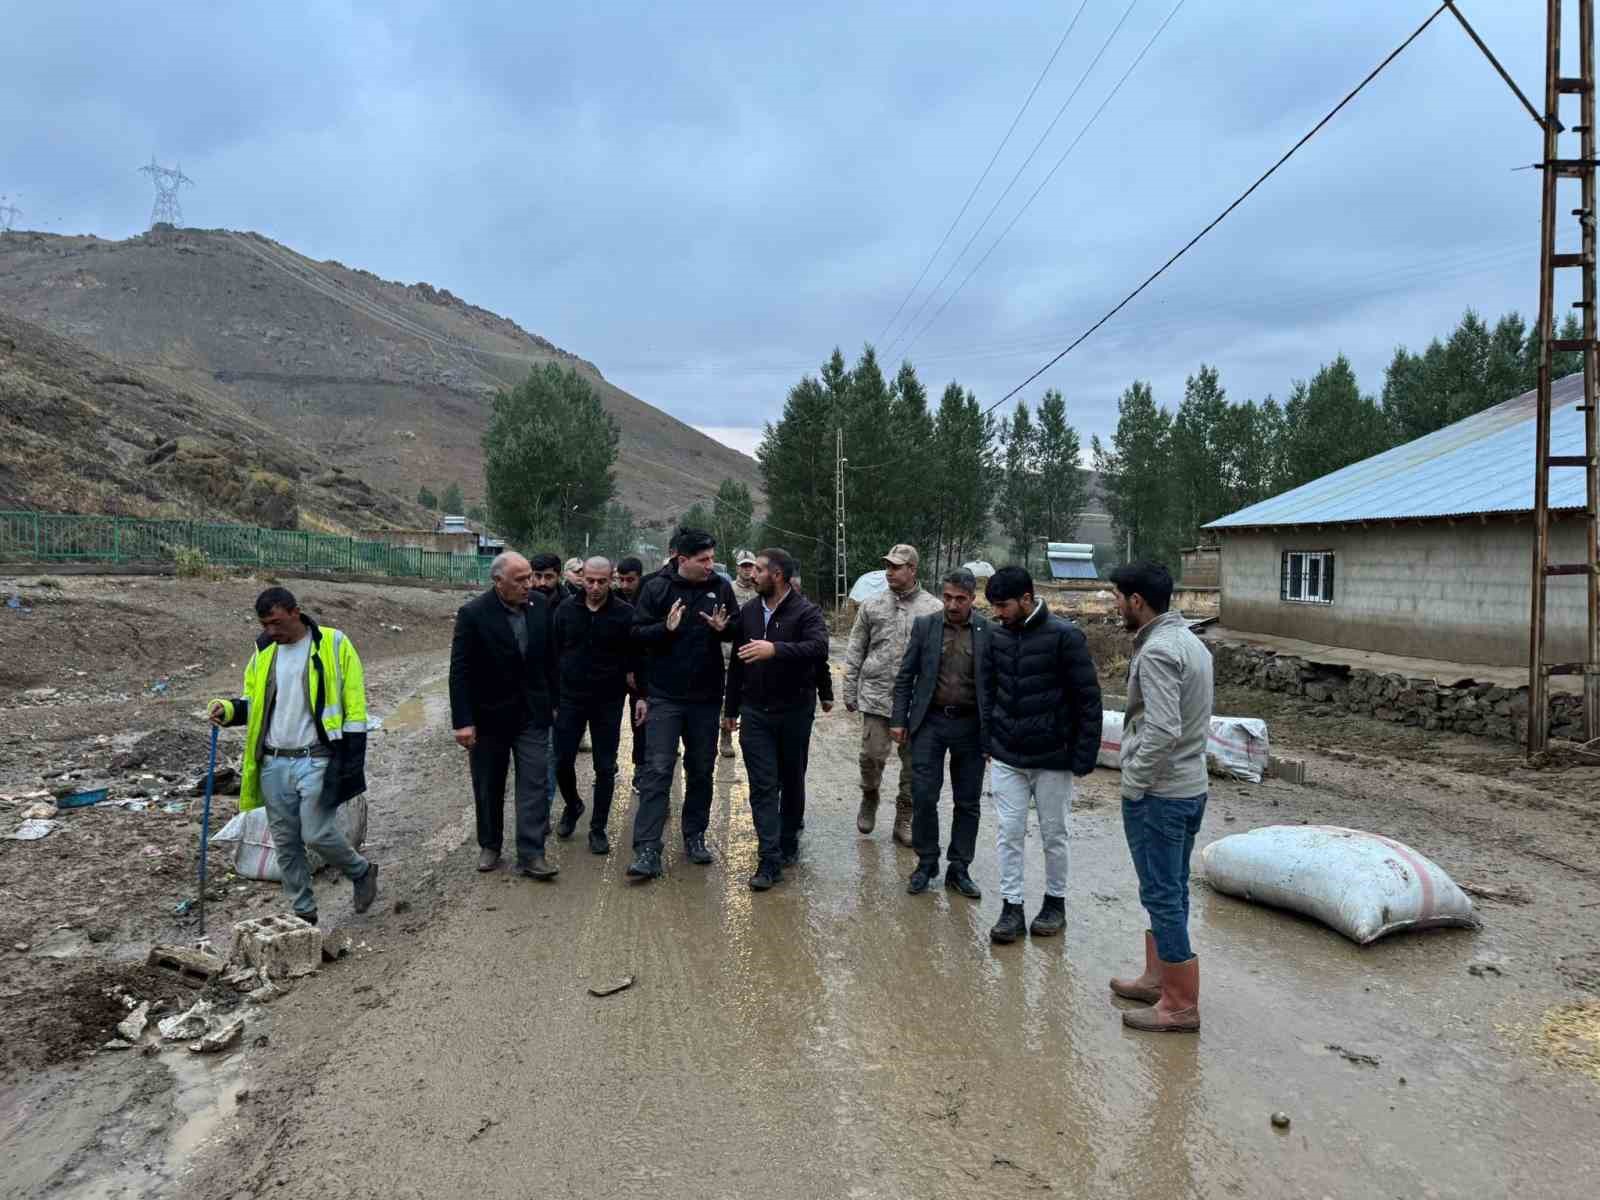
(705, 199)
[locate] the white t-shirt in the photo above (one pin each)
(292, 727)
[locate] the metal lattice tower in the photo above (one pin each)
(8, 214)
(167, 180)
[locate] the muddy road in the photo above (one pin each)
(836, 1037)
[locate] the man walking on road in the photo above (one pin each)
(503, 687)
(683, 617)
(744, 591)
(772, 700)
(936, 707)
(595, 652)
(304, 710)
(1163, 791)
(1043, 727)
(872, 659)
(630, 574)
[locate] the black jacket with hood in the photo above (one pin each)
(1041, 695)
(684, 664)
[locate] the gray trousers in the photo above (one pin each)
(291, 789)
(491, 761)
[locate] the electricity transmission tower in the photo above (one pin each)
(8, 214)
(167, 180)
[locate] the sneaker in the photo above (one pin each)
(646, 865)
(767, 874)
(366, 888)
(921, 878)
(1011, 925)
(569, 821)
(537, 868)
(598, 842)
(1052, 918)
(957, 879)
(694, 849)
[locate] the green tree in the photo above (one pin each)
(549, 458)
(966, 475)
(618, 535)
(915, 496)
(733, 519)
(796, 456)
(477, 513)
(1329, 424)
(1135, 476)
(452, 501)
(1063, 490)
(1019, 507)
(426, 498)
(698, 516)
(1200, 454)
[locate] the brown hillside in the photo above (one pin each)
(81, 433)
(396, 377)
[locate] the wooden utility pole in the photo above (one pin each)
(1555, 170)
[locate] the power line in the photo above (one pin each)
(992, 160)
(1220, 217)
(1111, 95)
(1060, 112)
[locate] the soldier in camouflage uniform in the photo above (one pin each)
(744, 590)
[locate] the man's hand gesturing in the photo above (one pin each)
(675, 616)
(467, 736)
(717, 618)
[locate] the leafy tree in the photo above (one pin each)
(478, 513)
(915, 496)
(1329, 424)
(426, 498)
(966, 476)
(549, 457)
(1200, 453)
(733, 518)
(1251, 438)
(617, 535)
(1063, 490)
(698, 516)
(1136, 478)
(452, 501)
(796, 456)
(1019, 507)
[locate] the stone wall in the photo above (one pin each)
(1485, 709)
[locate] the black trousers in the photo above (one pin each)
(776, 745)
(638, 734)
(602, 717)
(668, 723)
(958, 736)
(490, 760)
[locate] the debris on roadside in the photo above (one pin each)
(280, 946)
(86, 798)
(611, 989)
(131, 1028)
(219, 1036)
(1352, 1056)
(188, 1025)
(32, 830)
(41, 810)
(189, 965)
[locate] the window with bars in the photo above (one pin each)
(1307, 577)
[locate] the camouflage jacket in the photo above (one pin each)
(878, 643)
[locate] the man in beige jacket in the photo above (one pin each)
(877, 644)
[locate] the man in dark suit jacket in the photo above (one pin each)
(937, 695)
(503, 686)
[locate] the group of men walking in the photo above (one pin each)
(552, 652)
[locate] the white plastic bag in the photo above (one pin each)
(255, 858)
(1364, 885)
(1236, 747)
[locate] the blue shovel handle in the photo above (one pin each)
(205, 826)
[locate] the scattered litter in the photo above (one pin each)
(1280, 1120)
(15, 604)
(131, 804)
(611, 989)
(1364, 885)
(190, 965)
(83, 799)
(33, 830)
(150, 852)
(174, 806)
(160, 687)
(1365, 1060)
(219, 1036)
(395, 628)
(41, 810)
(182, 907)
(187, 1026)
(132, 1026)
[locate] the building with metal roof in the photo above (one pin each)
(1423, 550)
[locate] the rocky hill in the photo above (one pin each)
(394, 378)
(81, 433)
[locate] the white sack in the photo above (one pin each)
(254, 856)
(1236, 747)
(1364, 885)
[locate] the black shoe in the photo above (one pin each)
(646, 865)
(921, 878)
(366, 888)
(309, 918)
(767, 874)
(789, 855)
(569, 821)
(537, 868)
(1052, 918)
(694, 849)
(1011, 925)
(959, 880)
(598, 842)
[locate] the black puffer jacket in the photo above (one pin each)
(1042, 695)
(684, 664)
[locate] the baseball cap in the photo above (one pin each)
(740, 557)
(902, 555)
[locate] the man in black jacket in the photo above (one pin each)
(683, 616)
(1041, 702)
(502, 691)
(630, 573)
(772, 700)
(936, 707)
(595, 652)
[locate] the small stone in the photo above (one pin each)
(1280, 1120)
(19, 947)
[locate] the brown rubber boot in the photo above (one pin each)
(1146, 987)
(1178, 1010)
(902, 822)
(867, 814)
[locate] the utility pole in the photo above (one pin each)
(167, 181)
(1555, 170)
(841, 571)
(8, 214)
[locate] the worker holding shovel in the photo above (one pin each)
(304, 710)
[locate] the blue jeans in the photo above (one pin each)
(291, 788)
(1161, 832)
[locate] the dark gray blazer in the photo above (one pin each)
(919, 669)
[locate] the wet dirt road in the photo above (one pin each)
(836, 1037)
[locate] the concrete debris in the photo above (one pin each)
(117, 1044)
(132, 1026)
(280, 946)
(219, 1036)
(335, 945)
(1290, 770)
(268, 991)
(191, 966)
(187, 1026)
(42, 810)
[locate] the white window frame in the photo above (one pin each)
(1295, 571)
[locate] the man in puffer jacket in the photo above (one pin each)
(1041, 700)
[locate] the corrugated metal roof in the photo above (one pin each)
(1483, 464)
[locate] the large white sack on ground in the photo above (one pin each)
(1236, 747)
(254, 856)
(1364, 885)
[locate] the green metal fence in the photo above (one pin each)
(72, 537)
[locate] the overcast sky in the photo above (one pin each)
(704, 199)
